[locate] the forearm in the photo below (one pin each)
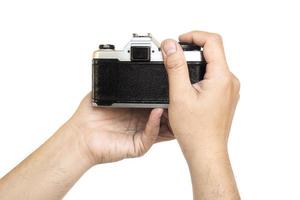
(211, 173)
(49, 172)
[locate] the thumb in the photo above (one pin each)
(150, 134)
(177, 70)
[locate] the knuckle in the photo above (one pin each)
(230, 82)
(215, 37)
(237, 83)
(238, 97)
(226, 80)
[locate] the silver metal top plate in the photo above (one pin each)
(142, 40)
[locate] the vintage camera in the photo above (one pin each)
(136, 76)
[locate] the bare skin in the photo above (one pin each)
(92, 136)
(199, 116)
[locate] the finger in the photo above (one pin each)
(212, 46)
(176, 67)
(151, 131)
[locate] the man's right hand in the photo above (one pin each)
(200, 115)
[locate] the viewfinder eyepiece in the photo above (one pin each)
(140, 53)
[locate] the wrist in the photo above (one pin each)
(76, 142)
(211, 172)
(204, 149)
(206, 155)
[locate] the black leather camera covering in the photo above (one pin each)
(117, 81)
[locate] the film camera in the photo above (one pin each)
(136, 76)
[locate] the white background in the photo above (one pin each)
(45, 70)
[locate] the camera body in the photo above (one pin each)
(135, 76)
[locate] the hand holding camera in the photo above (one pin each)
(200, 114)
(199, 111)
(200, 94)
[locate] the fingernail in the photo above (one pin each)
(169, 47)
